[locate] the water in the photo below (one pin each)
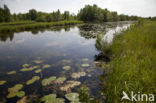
(58, 47)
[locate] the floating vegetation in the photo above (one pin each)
(25, 65)
(73, 97)
(37, 61)
(85, 59)
(34, 79)
(14, 91)
(46, 66)
(69, 85)
(51, 98)
(38, 70)
(85, 65)
(60, 80)
(30, 68)
(66, 67)
(48, 81)
(11, 72)
(78, 75)
(2, 82)
(23, 100)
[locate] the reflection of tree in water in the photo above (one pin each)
(10, 35)
(91, 30)
(6, 36)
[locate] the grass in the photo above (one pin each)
(27, 25)
(133, 62)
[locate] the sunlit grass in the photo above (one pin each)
(133, 64)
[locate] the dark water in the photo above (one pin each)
(58, 47)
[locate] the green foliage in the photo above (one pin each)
(133, 62)
(5, 15)
(84, 94)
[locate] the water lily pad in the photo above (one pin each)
(69, 85)
(11, 72)
(38, 70)
(73, 97)
(2, 82)
(37, 61)
(85, 65)
(34, 79)
(23, 100)
(30, 68)
(85, 59)
(25, 65)
(51, 98)
(48, 81)
(78, 75)
(20, 94)
(60, 80)
(59, 100)
(14, 91)
(46, 66)
(66, 67)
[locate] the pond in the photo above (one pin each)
(51, 61)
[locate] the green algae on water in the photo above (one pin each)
(34, 79)
(48, 81)
(2, 82)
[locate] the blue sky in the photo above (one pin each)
(143, 8)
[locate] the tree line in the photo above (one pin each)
(90, 13)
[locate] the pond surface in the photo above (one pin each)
(66, 52)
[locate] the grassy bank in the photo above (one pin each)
(27, 25)
(133, 62)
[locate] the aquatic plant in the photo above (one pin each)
(37, 61)
(78, 75)
(51, 98)
(38, 70)
(30, 68)
(46, 66)
(69, 85)
(73, 97)
(11, 72)
(34, 79)
(66, 67)
(23, 100)
(2, 82)
(85, 65)
(47, 81)
(14, 91)
(60, 80)
(25, 65)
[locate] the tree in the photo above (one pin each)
(33, 14)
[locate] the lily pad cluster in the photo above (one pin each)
(38, 70)
(51, 98)
(34, 79)
(25, 65)
(85, 65)
(70, 84)
(78, 75)
(2, 82)
(15, 91)
(30, 68)
(73, 97)
(48, 81)
(60, 80)
(37, 61)
(46, 66)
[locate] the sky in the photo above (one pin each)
(144, 8)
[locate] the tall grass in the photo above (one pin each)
(15, 27)
(133, 64)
